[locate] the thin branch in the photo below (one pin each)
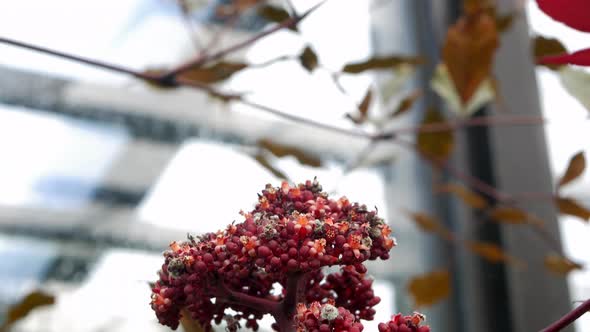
(80, 59)
(187, 21)
(204, 58)
(569, 318)
(172, 81)
(272, 61)
(290, 8)
(480, 186)
(218, 35)
(360, 157)
(306, 121)
(472, 181)
(510, 120)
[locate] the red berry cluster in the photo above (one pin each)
(325, 318)
(400, 323)
(293, 230)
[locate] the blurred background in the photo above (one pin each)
(100, 171)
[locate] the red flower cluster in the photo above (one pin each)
(329, 318)
(400, 323)
(293, 232)
(350, 289)
(575, 14)
(325, 318)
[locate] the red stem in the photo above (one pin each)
(295, 293)
(569, 318)
(239, 298)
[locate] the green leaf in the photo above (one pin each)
(577, 83)
(435, 144)
(442, 84)
(308, 59)
(575, 168)
(389, 62)
(20, 310)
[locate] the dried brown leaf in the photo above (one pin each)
(365, 103)
(280, 150)
(575, 168)
(425, 222)
(389, 62)
(215, 73)
(475, 6)
(543, 46)
(435, 144)
(572, 207)
(468, 52)
(20, 310)
(363, 109)
(273, 13)
(509, 215)
(560, 265)
(493, 253)
(308, 59)
(430, 288)
(430, 224)
(469, 197)
(188, 324)
(406, 103)
(261, 159)
(505, 22)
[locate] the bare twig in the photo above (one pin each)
(79, 59)
(481, 121)
(473, 182)
(218, 35)
(480, 186)
(290, 8)
(187, 21)
(204, 58)
(569, 318)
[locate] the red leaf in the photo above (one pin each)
(580, 58)
(573, 13)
